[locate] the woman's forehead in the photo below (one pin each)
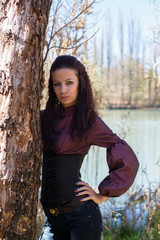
(63, 74)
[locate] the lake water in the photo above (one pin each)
(141, 130)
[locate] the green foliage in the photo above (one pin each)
(152, 228)
(124, 232)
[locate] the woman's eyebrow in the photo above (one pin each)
(64, 80)
(69, 79)
(55, 81)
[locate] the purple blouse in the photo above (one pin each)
(122, 161)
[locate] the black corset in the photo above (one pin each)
(60, 172)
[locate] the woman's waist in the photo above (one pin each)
(58, 192)
(58, 166)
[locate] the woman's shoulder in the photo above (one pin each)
(98, 127)
(98, 121)
(99, 133)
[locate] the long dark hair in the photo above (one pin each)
(84, 113)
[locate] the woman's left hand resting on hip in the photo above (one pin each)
(92, 195)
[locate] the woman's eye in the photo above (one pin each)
(69, 82)
(56, 84)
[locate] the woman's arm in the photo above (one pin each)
(122, 161)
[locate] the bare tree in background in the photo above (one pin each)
(109, 46)
(143, 58)
(138, 44)
(149, 85)
(121, 46)
(155, 77)
(156, 54)
(131, 45)
(102, 57)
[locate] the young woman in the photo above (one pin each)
(70, 125)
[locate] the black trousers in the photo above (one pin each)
(85, 223)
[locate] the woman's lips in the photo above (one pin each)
(65, 97)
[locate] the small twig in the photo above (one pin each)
(67, 48)
(107, 228)
(73, 19)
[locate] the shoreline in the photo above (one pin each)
(129, 108)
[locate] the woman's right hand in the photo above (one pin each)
(92, 195)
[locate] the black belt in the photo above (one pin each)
(66, 208)
(61, 210)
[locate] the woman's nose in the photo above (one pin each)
(63, 88)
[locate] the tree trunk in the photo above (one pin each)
(150, 92)
(130, 73)
(122, 82)
(22, 35)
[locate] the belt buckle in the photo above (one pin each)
(54, 211)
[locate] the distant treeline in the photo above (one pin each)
(122, 64)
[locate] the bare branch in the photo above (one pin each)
(76, 45)
(73, 19)
(66, 25)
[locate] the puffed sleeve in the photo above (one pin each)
(122, 161)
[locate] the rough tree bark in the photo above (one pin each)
(22, 34)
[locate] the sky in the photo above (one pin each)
(142, 10)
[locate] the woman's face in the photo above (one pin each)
(65, 84)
